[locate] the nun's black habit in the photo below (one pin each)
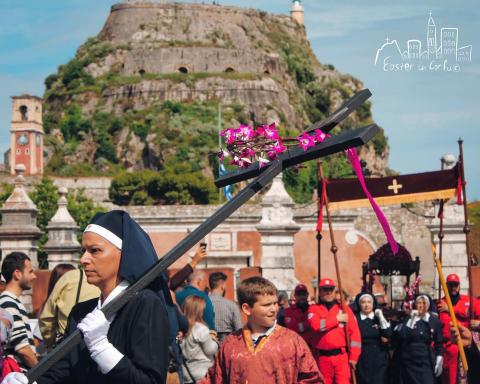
(139, 329)
(418, 344)
(372, 365)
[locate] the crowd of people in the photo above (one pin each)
(182, 328)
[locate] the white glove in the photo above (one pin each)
(412, 321)
(94, 328)
(384, 324)
(15, 378)
(439, 366)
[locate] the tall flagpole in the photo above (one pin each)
(441, 235)
(319, 230)
(219, 127)
(466, 226)
(334, 250)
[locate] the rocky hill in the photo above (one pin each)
(145, 92)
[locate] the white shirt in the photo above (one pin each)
(415, 319)
(370, 316)
(116, 291)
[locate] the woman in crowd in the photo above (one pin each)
(372, 366)
(132, 346)
(199, 345)
(416, 361)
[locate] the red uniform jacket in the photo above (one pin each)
(330, 334)
(296, 320)
(461, 311)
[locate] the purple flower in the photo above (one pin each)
(269, 131)
(320, 136)
(305, 141)
(278, 147)
(246, 132)
(248, 152)
(229, 134)
(272, 155)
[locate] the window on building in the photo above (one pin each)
(27, 151)
(183, 70)
(18, 151)
(229, 69)
(24, 112)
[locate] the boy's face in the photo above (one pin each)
(264, 311)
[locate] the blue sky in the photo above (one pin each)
(423, 113)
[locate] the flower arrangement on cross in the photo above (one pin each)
(246, 144)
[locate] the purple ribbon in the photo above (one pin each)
(355, 162)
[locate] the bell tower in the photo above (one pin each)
(26, 134)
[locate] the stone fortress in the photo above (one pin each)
(276, 236)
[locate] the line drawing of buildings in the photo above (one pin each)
(446, 46)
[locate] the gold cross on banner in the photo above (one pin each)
(395, 187)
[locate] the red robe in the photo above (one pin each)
(283, 357)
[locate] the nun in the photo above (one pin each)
(131, 347)
(375, 330)
(419, 343)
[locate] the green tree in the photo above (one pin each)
(125, 185)
(45, 196)
(82, 209)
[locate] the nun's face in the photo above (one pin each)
(421, 306)
(101, 261)
(366, 305)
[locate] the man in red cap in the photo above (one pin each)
(461, 306)
(296, 314)
(328, 322)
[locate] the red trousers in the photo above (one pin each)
(450, 364)
(335, 369)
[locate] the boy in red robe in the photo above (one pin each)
(263, 351)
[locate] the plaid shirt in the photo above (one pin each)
(227, 315)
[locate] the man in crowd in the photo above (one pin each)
(328, 321)
(196, 284)
(461, 307)
(263, 351)
(227, 314)
(18, 274)
(282, 298)
(296, 314)
(70, 289)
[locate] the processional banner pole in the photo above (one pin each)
(466, 227)
(441, 235)
(264, 175)
(461, 351)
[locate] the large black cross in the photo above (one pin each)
(334, 144)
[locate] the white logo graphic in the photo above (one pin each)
(442, 52)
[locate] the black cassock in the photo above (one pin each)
(414, 358)
(372, 365)
(139, 332)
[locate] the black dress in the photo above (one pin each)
(372, 365)
(138, 331)
(414, 359)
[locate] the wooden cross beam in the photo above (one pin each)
(334, 144)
